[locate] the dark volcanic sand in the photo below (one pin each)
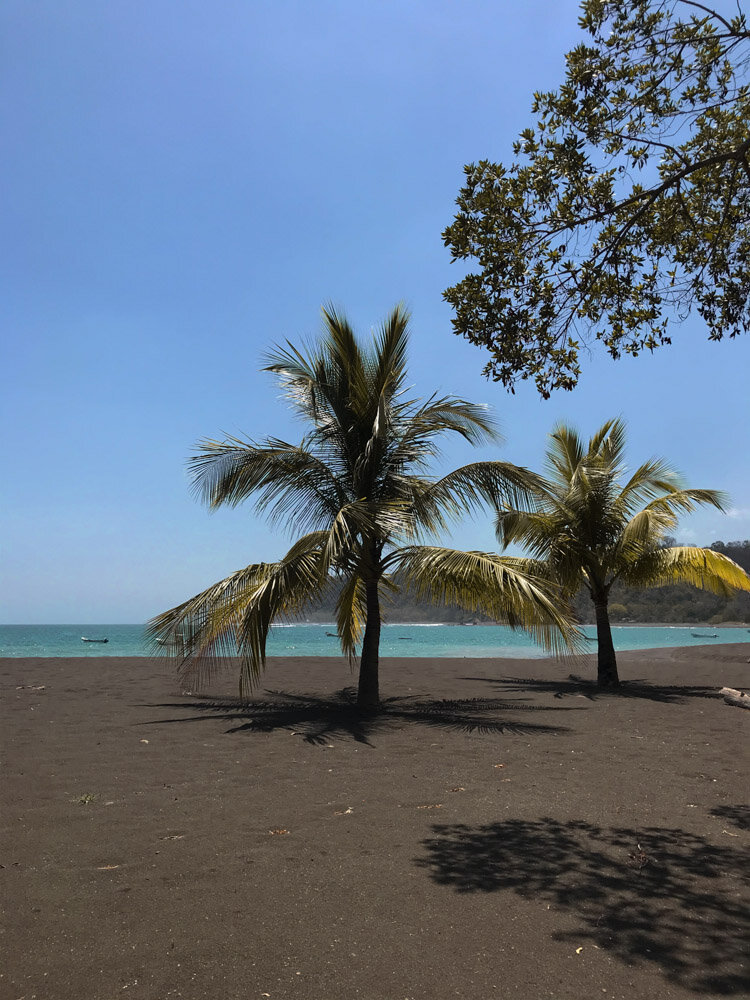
(527, 837)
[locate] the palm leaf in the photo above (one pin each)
(351, 614)
(231, 618)
(494, 585)
(703, 568)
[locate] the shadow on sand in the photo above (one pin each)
(580, 687)
(319, 720)
(653, 895)
(738, 816)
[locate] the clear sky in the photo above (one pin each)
(183, 185)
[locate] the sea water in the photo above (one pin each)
(321, 640)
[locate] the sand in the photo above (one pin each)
(500, 831)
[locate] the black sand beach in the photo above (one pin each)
(500, 830)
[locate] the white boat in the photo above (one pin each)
(85, 639)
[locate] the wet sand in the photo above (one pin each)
(499, 830)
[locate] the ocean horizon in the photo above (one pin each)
(427, 639)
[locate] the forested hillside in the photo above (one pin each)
(627, 604)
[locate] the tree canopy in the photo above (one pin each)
(628, 205)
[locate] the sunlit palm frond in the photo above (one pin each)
(415, 438)
(286, 478)
(345, 382)
(493, 484)
(608, 443)
(202, 631)
(351, 614)
(494, 585)
(361, 520)
(564, 454)
(389, 367)
(703, 568)
(686, 501)
(298, 375)
(292, 584)
(650, 480)
(643, 532)
(534, 530)
(231, 619)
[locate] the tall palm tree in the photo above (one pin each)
(356, 489)
(593, 524)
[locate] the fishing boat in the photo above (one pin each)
(85, 639)
(705, 635)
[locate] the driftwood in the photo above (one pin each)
(733, 697)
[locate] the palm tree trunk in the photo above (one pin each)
(606, 661)
(368, 693)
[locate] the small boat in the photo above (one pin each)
(84, 639)
(705, 635)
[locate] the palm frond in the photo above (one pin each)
(496, 484)
(415, 440)
(650, 480)
(608, 443)
(351, 614)
(564, 454)
(533, 530)
(495, 585)
(703, 568)
(294, 583)
(389, 368)
(686, 501)
(294, 483)
(201, 633)
(231, 619)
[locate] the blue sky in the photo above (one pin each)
(183, 185)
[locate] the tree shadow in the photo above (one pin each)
(739, 816)
(319, 720)
(574, 686)
(653, 895)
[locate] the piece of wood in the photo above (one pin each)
(733, 697)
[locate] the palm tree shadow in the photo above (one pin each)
(575, 686)
(319, 720)
(738, 816)
(654, 895)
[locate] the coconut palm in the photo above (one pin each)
(356, 490)
(593, 524)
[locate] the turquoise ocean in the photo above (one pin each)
(317, 640)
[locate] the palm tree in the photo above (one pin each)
(591, 526)
(356, 489)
